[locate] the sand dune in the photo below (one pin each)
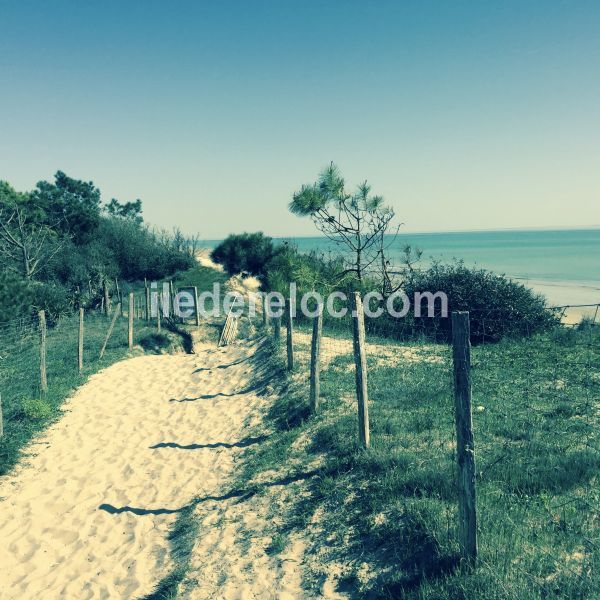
(88, 512)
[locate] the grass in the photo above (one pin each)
(388, 514)
(182, 538)
(26, 410)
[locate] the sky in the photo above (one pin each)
(463, 115)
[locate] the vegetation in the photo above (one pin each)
(245, 253)
(387, 516)
(59, 244)
(26, 410)
(498, 306)
(357, 222)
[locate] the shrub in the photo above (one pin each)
(35, 409)
(15, 296)
(498, 306)
(51, 298)
(245, 252)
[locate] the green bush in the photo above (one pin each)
(245, 252)
(15, 296)
(35, 409)
(498, 306)
(51, 298)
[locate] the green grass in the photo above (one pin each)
(390, 513)
(182, 538)
(201, 277)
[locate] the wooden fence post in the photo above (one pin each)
(158, 303)
(196, 306)
(465, 450)
(130, 319)
(277, 328)
(265, 312)
(110, 330)
(106, 297)
(80, 342)
(315, 361)
(118, 294)
(43, 378)
(290, 335)
(360, 361)
(147, 300)
(172, 300)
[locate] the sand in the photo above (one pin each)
(88, 512)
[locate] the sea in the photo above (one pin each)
(564, 265)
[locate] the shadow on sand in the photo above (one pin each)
(241, 495)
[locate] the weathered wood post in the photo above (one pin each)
(118, 294)
(360, 361)
(43, 377)
(158, 304)
(130, 319)
(172, 302)
(265, 312)
(106, 297)
(465, 450)
(197, 306)
(315, 361)
(110, 330)
(290, 335)
(80, 341)
(277, 328)
(147, 300)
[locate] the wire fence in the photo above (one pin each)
(531, 400)
(43, 358)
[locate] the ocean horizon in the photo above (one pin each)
(562, 264)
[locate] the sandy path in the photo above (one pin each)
(88, 513)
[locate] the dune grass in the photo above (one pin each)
(387, 515)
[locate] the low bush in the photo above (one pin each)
(498, 306)
(36, 409)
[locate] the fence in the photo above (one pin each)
(43, 358)
(516, 418)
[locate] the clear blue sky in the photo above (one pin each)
(464, 115)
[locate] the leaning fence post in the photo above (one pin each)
(110, 330)
(80, 342)
(130, 319)
(290, 335)
(118, 294)
(467, 508)
(315, 361)
(43, 378)
(360, 361)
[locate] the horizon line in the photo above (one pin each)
(447, 231)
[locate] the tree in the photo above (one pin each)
(73, 206)
(130, 211)
(358, 221)
(249, 252)
(28, 245)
